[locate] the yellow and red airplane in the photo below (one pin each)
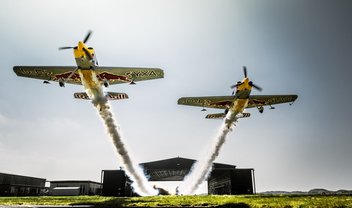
(238, 102)
(89, 73)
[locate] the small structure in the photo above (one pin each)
(116, 183)
(75, 188)
(18, 185)
(231, 182)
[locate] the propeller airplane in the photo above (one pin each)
(88, 72)
(237, 102)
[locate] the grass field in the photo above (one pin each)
(286, 201)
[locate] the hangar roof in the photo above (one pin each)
(174, 169)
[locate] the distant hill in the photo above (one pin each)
(283, 192)
(317, 191)
(328, 192)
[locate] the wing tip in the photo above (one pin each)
(180, 101)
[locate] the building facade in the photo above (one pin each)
(223, 179)
(231, 182)
(75, 187)
(18, 185)
(116, 183)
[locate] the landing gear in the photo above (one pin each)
(106, 83)
(261, 109)
(62, 83)
(226, 111)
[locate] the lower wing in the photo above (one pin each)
(222, 102)
(262, 100)
(48, 73)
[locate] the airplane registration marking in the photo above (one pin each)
(280, 99)
(150, 73)
(207, 103)
(196, 101)
(37, 72)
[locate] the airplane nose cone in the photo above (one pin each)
(80, 44)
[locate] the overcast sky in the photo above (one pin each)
(289, 47)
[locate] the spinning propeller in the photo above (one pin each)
(75, 47)
(84, 41)
(84, 49)
(250, 82)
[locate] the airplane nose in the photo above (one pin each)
(80, 44)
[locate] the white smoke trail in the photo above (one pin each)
(201, 169)
(95, 91)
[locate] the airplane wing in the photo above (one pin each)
(114, 75)
(224, 102)
(221, 102)
(48, 73)
(118, 75)
(261, 100)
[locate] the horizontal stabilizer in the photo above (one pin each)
(243, 115)
(108, 95)
(116, 96)
(81, 95)
(216, 116)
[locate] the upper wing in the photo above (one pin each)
(50, 73)
(222, 102)
(118, 75)
(261, 100)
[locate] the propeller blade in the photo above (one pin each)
(245, 71)
(87, 36)
(64, 48)
(236, 85)
(257, 87)
(88, 54)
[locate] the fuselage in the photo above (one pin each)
(240, 102)
(86, 64)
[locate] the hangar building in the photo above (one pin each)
(223, 179)
(18, 185)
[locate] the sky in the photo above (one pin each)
(289, 47)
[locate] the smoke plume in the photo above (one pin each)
(95, 92)
(201, 169)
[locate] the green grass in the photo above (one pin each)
(285, 201)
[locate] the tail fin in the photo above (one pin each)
(216, 116)
(108, 95)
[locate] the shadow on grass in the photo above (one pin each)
(234, 205)
(126, 202)
(117, 202)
